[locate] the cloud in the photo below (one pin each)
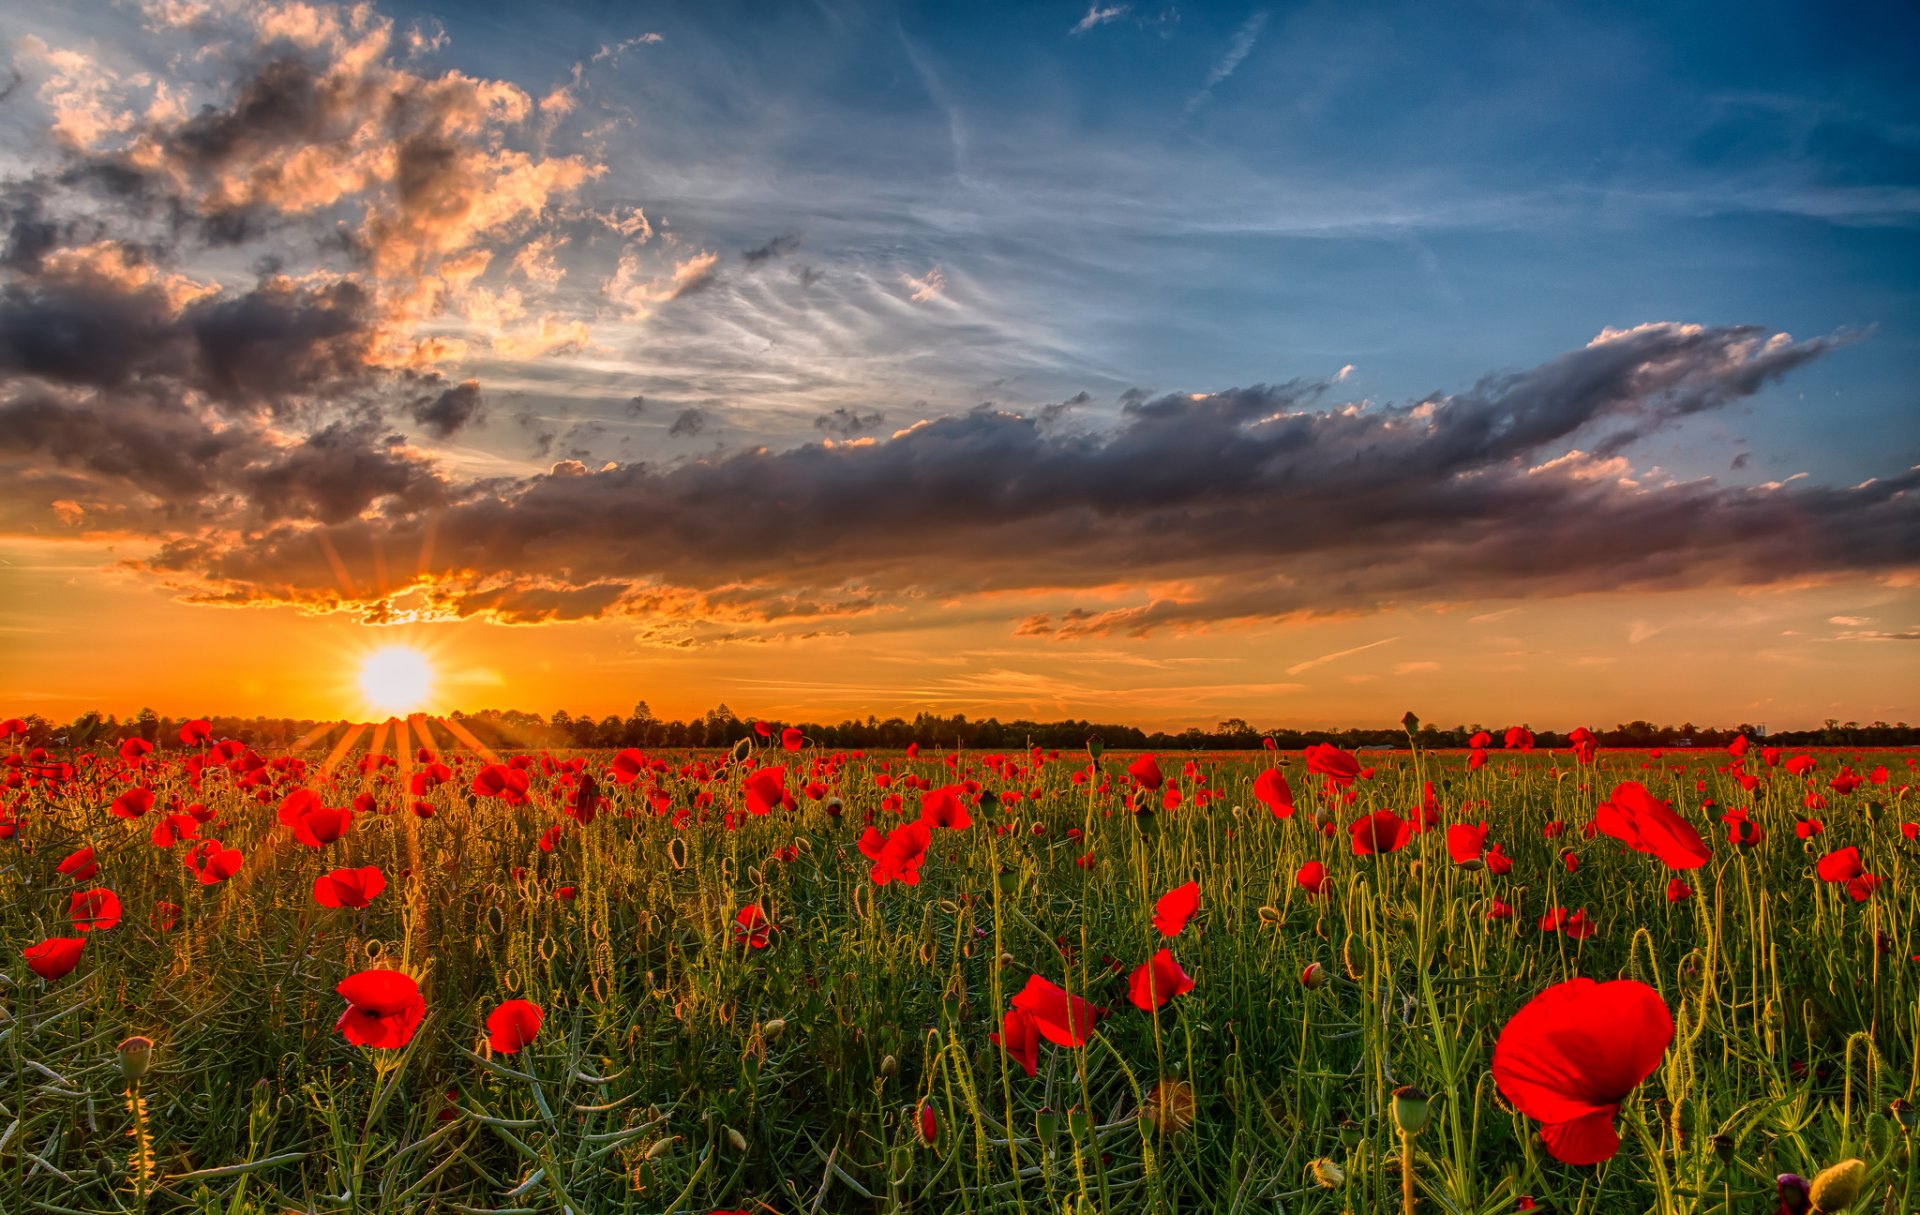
(690, 423)
(448, 413)
(1237, 52)
(849, 422)
(774, 248)
(1262, 505)
(1311, 663)
(926, 287)
(1098, 16)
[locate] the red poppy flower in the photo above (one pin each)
(196, 733)
(1060, 1018)
(1273, 792)
(1312, 877)
(1174, 908)
(1333, 763)
(1841, 866)
(900, 856)
(55, 957)
(93, 910)
(1646, 824)
(80, 865)
(1158, 981)
(945, 807)
(1678, 891)
(929, 1124)
(1800, 765)
(513, 1025)
(566, 894)
(1519, 738)
(1480, 740)
(792, 739)
(1573, 1053)
(1807, 828)
(213, 861)
(165, 915)
(135, 749)
(1741, 830)
(1380, 832)
(1498, 910)
(1146, 770)
(750, 928)
(1019, 1036)
(1465, 842)
(502, 781)
(1574, 924)
(132, 804)
(767, 788)
(1498, 863)
(173, 828)
(384, 1008)
(313, 824)
(353, 888)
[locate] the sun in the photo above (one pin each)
(396, 679)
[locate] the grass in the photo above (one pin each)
(677, 1072)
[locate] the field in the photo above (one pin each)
(766, 980)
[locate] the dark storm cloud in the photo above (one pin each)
(447, 413)
(775, 248)
(849, 422)
(689, 424)
(1270, 502)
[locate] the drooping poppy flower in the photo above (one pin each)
(132, 804)
(1146, 770)
(1333, 763)
(1019, 1036)
(55, 957)
(750, 928)
(1646, 824)
(792, 739)
(79, 865)
(1158, 981)
(354, 888)
(513, 1025)
(1380, 832)
(1174, 908)
(384, 1008)
(1273, 792)
(1466, 842)
(93, 910)
(314, 824)
(1060, 1018)
(566, 894)
(1312, 877)
(1571, 1055)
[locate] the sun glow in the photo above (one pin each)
(396, 679)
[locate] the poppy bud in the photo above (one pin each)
(1007, 879)
(738, 1140)
(929, 1124)
(662, 1147)
(136, 1055)
(1046, 1124)
(889, 1067)
(1313, 977)
(834, 807)
(1409, 1109)
(1095, 747)
(1326, 1174)
(1350, 1134)
(1411, 722)
(1835, 1187)
(774, 1028)
(1791, 1190)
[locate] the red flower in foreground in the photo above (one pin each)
(1060, 1018)
(384, 1008)
(513, 1025)
(312, 823)
(1646, 824)
(765, 789)
(1381, 831)
(1175, 908)
(1678, 891)
(1465, 842)
(1146, 770)
(1273, 792)
(1573, 1053)
(349, 887)
(80, 865)
(55, 957)
(1158, 981)
(750, 928)
(1019, 1036)
(502, 781)
(213, 861)
(792, 739)
(93, 910)
(132, 804)
(898, 858)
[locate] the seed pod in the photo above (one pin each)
(136, 1055)
(1351, 1133)
(1409, 1109)
(1836, 1186)
(1046, 1124)
(677, 852)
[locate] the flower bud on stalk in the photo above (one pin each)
(1836, 1187)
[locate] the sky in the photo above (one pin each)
(1160, 362)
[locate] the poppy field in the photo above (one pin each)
(786, 978)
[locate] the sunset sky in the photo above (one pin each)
(1150, 362)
